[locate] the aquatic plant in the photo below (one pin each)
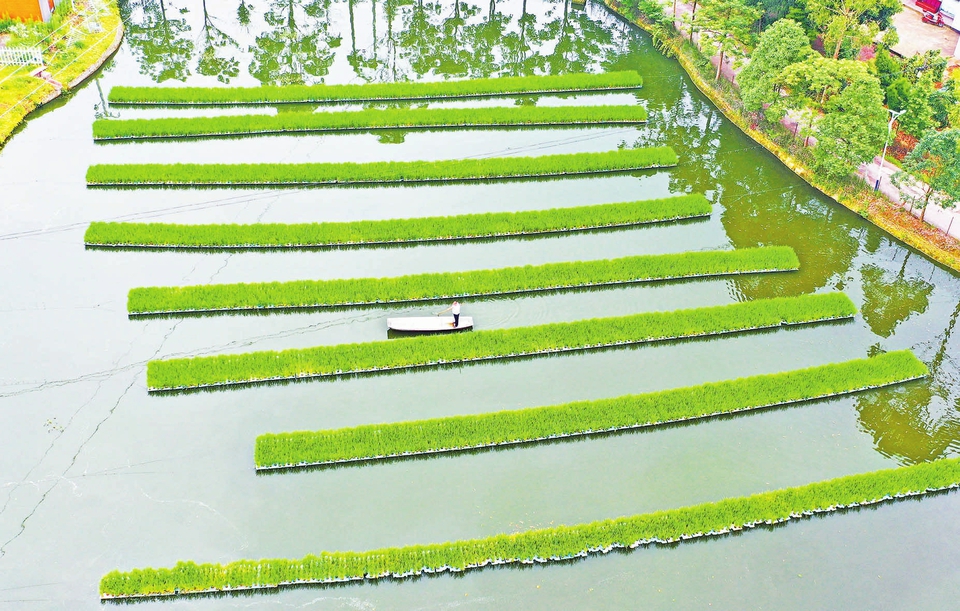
(397, 231)
(471, 88)
(456, 433)
(160, 174)
(415, 118)
(423, 351)
(436, 286)
(543, 545)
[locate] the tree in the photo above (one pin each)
(852, 130)
(918, 115)
(296, 47)
(727, 27)
(853, 21)
(211, 64)
(854, 121)
(898, 93)
(888, 68)
(781, 45)
(935, 164)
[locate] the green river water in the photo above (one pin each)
(97, 475)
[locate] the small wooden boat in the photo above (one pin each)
(428, 324)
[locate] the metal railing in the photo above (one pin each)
(30, 56)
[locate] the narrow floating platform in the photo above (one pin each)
(428, 324)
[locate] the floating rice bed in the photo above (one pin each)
(379, 172)
(396, 231)
(461, 433)
(262, 296)
(297, 94)
(554, 544)
(370, 119)
(437, 350)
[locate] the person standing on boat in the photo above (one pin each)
(455, 309)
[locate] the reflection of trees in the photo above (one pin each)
(297, 46)
(889, 301)
(212, 39)
(916, 422)
(579, 41)
(159, 43)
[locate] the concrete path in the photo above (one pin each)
(947, 221)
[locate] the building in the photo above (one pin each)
(28, 10)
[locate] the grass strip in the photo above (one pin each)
(437, 286)
(396, 231)
(543, 545)
(458, 433)
(279, 174)
(432, 118)
(472, 88)
(434, 350)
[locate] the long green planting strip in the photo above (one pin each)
(426, 351)
(473, 88)
(397, 231)
(279, 174)
(431, 287)
(420, 118)
(553, 544)
(458, 433)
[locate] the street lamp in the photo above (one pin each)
(893, 117)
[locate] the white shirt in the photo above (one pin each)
(456, 308)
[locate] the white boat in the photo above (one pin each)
(426, 324)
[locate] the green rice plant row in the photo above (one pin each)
(397, 231)
(460, 433)
(262, 296)
(437, 350)
(544, 545)
(378, 172)
(296, 94)
(417, 118)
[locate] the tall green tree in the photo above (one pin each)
(297, 45)
(726, 27)
(856, 22)
(211, 63)
(781, 45)
(933, 166)
(853, 122)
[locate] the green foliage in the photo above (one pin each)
(424, 351)
(375, 441)
(945, 102)
(854, 121)
(934, 164)
(918, 117)
(783, 44)
(850, 22)
(430, 287)
(726, 27)
(105, 129)
(396, 231)
(380, 171)
(380, 91)
(930, 65)
(898, 93)
(541, 545)
(888, 68)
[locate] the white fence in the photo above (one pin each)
(21, 57)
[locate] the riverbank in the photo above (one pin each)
(851, 193)
(24, 89)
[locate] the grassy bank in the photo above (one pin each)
(427, 287)
(457, 433)
(71, 51)
(424, 351)
(156, 174)
(851, 193)
(517, 116)
(541, 545)
(397, 231)
(472, 88)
